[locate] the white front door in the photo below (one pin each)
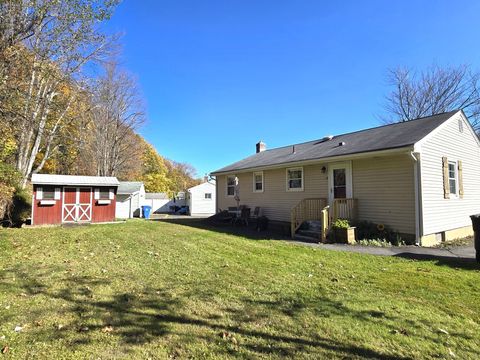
(339, 181)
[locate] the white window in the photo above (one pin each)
(104, 194)
(48, 194)
(208, 196)
(258, 181)
(231, 185)
(453, 178)
(295, 179)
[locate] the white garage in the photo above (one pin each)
(130, 198)
(201, 199)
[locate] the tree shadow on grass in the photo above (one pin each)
(452, 261)
(249, 232)
(144, 316)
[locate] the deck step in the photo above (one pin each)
(311, 233)
(304, 238)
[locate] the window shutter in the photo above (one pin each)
(97, 194)
(57, 193)
(446, 184)
(39, 193)
(111, 194)
(460, 179)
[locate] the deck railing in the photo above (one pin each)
(344, 209)
(317, 209)
(309, 210)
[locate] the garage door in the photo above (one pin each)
(123, 208)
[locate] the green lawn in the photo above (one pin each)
(162, 290)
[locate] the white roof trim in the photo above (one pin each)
(48, 179)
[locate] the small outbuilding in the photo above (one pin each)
(59, 199)
(160, 202)
(201, 199)
(130, 198)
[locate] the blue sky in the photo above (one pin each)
(218, 76)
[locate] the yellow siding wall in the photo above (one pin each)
(384, 187)
(275, 202)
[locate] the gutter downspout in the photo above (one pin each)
(418, 198)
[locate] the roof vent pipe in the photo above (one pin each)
(293, 149)
(342, 143)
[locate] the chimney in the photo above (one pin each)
(261, 147)
(205, 178)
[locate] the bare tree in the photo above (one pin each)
(433, 91)
(118, 113)
(19, 19)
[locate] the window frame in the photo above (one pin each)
(455, 195)
(298, 168)
(227, 186)
(255, 190)
(107, 192)
(207, 198)
(48, 191)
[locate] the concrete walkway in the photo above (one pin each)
(458, 252)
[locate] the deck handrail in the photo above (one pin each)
(309, 210)
(344, 209)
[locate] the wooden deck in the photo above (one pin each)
(317, 209)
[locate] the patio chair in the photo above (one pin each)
(256, 212)
(245, 215)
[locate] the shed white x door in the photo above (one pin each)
(77, 204)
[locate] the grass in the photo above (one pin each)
(163, 290)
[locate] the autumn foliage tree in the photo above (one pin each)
(56, 117)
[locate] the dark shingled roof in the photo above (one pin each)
(385, 137)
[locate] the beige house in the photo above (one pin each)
(421, 178)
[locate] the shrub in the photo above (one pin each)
(368, 230)
(15, 203)
(374, 242)
(21, 208)
(6, 195)
(9, 180)
(341, 224)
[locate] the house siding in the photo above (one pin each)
(385, 193)
(275, 202)
(440, 214)
(384, 187)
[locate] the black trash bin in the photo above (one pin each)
(476, 229)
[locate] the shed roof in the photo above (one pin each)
(385, 137)
(50, 179)
(156, 196)
(129, 187)
(205, 183)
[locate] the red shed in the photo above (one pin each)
(59, 199)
